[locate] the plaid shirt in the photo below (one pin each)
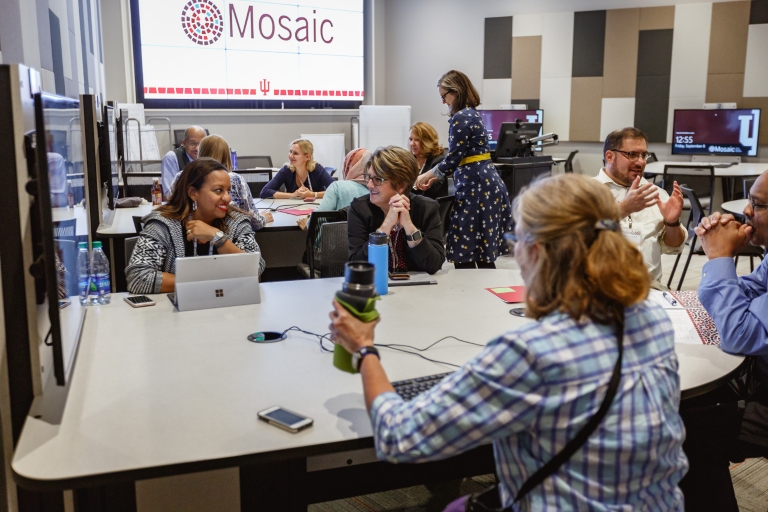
(531, 390)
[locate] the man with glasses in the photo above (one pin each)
(729, 426)
(650, 217)
(174, 161)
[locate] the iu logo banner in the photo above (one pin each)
(202, 22)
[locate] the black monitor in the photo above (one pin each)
(513, 139)
(727, 132)
(493, 119)
(58, 146)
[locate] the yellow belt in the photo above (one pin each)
(474, 158)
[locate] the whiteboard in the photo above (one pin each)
(384, 126)
(329, 148)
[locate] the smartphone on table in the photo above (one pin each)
(285, 419)
(399, 276)
(139, 301)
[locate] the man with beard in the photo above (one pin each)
(728, 427)
(650, 217)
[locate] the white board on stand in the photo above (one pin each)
(382, 125)
(329, 148)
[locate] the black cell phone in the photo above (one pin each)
(139, 301)
(285, 419)
(399, 276)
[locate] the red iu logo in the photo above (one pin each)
(202, 22)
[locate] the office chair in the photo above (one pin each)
(697, 212)
(312, 255)
(130, 245)
(137, 224)
(65, 230)
(334, 249)
(569, 161)
(139, 184)
(255, 179)
(746, 184)
(446, 205)
(252, 162)
(700, 179)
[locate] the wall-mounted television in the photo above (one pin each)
(493, 120)
(248, 53)
(732, 132)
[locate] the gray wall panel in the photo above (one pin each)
(758, 12)
(588, 43)
(56, 53)
(652, 105)
(497, 57)
(654, 54)
(44, 35)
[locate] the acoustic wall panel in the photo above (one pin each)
(756, 70)
(556, 102)
(524, 25)
(657, 18)
(496, 91)
(526, 67)
(758, 12)
(724, 88)
(588, 43)
(652, 105)
(622, 31)
(728, 39)
(586, 102)
(557, 46)
(497, 61)
(615, 113)
(690, 51)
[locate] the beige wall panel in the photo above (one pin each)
(725, 88)
(622, 31)
(586, 101)
(657, 18)
(526, 67)
(761, 103)
(728, 38)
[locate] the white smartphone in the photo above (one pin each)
(139, 301)
(285, 419)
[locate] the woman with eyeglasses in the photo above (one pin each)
(411, 221)
(481, 212)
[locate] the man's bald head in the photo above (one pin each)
(192, 137)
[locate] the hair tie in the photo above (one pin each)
(607, 225)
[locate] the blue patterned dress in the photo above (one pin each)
(481, 212)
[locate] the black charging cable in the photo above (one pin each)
(401, 348)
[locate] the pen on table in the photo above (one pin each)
(669, 299)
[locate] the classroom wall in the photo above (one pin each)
(580, 62)
(61, 38)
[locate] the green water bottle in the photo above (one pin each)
(358, 296)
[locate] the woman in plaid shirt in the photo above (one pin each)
(531, 390)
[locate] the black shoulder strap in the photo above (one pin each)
(581, 438)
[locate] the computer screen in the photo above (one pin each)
(716, 132)
(513, 140)
(493, 119)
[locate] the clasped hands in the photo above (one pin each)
(639, 197)
(303, 192)
(399, 213)
(200, 230)
(722, 236)
(424, 181)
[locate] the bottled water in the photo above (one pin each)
(100, 283)
(83, 272)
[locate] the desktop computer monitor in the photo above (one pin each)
(493, 119)
(716, 132)
(513, 140)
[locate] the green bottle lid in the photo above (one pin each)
(97, 245)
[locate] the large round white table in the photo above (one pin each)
(735, 207)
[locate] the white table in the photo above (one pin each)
(78, 212)
(178, 392)
(736, 207)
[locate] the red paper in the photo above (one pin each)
(509, 294)
(297, 211)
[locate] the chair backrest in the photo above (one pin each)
(137, 224)
(130, 245)
(334, 249)
(697, 211)
(139, 184)
(446, 204)
(747, 184)
(316, 221)
(652, 157)
(65, 230)
(66, 250)
(251, 162)
(255, 179)
(699, 178)
(569, 161)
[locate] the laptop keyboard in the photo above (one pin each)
(408, 389)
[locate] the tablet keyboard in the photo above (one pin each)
(408, 389)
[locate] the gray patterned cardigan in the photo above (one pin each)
(162, 241)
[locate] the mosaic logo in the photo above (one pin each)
(202, 22)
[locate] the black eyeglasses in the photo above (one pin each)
(632, 156)
(377, 181)
(756, 207)
(442, 96)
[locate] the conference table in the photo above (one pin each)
(735, 207)
(157, 392)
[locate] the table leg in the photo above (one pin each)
(274, 486)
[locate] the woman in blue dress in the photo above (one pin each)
(481, 211)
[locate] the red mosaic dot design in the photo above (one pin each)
(202, 22)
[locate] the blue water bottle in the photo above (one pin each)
(100, 276)
(83, 273)
(233, 156)
(378, 254)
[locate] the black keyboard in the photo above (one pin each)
(412, 387)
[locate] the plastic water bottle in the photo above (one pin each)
(99, 276)
(233, 156)
(83, 272)
(70, 195)
(157, 192)
(378, 254)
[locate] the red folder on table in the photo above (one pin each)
(509, 294)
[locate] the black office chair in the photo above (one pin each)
(255, 179)
(312, 268)
(139, 184)
(701, 179)
(652, 157)
(746, 184)
(252, 162)
(569, 161)
(446, 205)
(137, 224)
(334, 249)
(130, 245)
(697, 212)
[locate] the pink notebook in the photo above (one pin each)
(297, 211)
(509, 294)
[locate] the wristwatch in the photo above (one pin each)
(357, 357)
(414, 237)
(218, 239)
(672, 224)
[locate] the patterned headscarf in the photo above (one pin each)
(354, 165)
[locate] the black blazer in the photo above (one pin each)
(365, 217)
(438, 188)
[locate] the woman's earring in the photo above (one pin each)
(194, 205)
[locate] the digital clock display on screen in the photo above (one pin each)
(716, 132)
